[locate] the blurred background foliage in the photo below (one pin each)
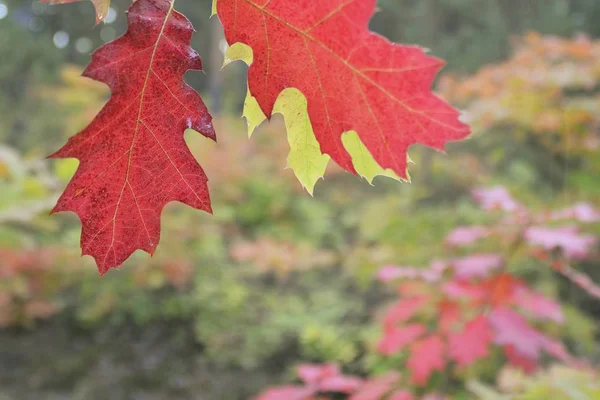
(231, 302)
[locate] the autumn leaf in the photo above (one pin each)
(368, 100)
(404, 309)
(476, 266)
(511, 329)
(427, 356)
(286, 392)
(472, 343)
(396, 338)
(133, 157)
(101, 6)
(376, 388)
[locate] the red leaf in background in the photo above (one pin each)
(327, 378)
(501, 289)
(450, 315)
(352, 78)
(476, 265)
(426, 356)
(312, 373)
(511, 329)
(395, 338)
(538, 305)
(133, 157)
(460, 290)
(518, 360)
(472, 343)
(340, 384)
(376, 388)
(569, 239)
(404, 309)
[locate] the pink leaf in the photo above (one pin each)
(472, 343)
(539, 305)
(464, 290)
(476, 266)
(376, 388)
(569, 239)
(512, 329)
(583, 212)
(519, 360)
(313, 373)
(340, 384)
(559, 351)
(404, 309)
(427, 356)
(466, 235)
(395, 339)
(496, 198)
(390, 273)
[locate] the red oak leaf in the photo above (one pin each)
(426, 356)
(133, 157)
(352, 78)
(472, 343)
(395, 338)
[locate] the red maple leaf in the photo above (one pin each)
(426, 356)
(352, 78)
(472, 343)
(133, 157)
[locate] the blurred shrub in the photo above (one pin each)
(545, 97)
